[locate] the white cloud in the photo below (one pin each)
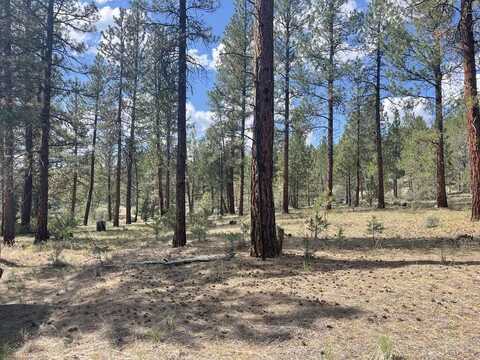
(200, 119)
(217, 55)
(207, 61)
(106, 15)
(349, 6)
(420, 107)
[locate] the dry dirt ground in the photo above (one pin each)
(419, 294)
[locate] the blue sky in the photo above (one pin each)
(202, 81)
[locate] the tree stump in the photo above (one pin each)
(101, 226)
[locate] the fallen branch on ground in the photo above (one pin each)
(181, 261)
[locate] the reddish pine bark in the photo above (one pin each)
(467, 44)
(180, 237)
(263, 232)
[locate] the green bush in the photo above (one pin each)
(199, 226)
(61, 227)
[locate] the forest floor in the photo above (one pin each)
(419, 294)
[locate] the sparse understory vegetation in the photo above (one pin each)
(416, 297)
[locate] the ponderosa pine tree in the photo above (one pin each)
(467, 44)
(263, 231)
(423, 54)
(180, 236)
(135, 24)
(113, 48)
(98, 74)
(70, 15)
(329, 26)
(42, 234)
(289, 22)
(7, 123)
(376, 34)
(233, 85)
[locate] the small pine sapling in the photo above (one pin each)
(375, 228)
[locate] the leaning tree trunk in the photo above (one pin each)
(378, 134)
(441, 186)
(42, 214)
(263, 232)
(92, 162)
(467, 44)
(9, 217)
(180, 237)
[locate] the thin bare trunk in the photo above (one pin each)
(441, 185)
(378, 133)
(118, 175)
(92, 162)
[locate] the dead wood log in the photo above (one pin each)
(180, 261)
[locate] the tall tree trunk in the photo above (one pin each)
(169, 162)
(158, 144)
(73, 203)
(230, 182)
(137, 190)
(92, 162)
(221, 177)
(395, 187)
(180, 238)
(118, 175)
(244, 110)
(467, 44)
(349, 189)
(109, 186)
(357, 167)
(131, 142)
(286, 140)
(378, 132)
(42, 215)
(10, 208)
(263, 231)
(26, 211)
(131, 155)
(330, 89)
(441, 185)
